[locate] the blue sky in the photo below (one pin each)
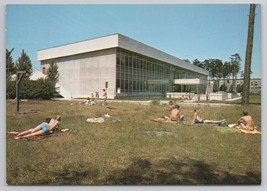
(185, 31)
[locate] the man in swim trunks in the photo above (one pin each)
(42, 129)
(246, 122)
(176, 114)
(198, 120)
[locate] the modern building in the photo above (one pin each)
(122, 66)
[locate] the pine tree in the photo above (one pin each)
(24, 64)
(10, 65)
(52, 73)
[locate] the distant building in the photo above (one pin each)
(36, 74)
(255, 84)
(122, 66)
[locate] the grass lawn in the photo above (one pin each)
(134, 151)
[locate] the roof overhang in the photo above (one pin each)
(195, 81)
(115, 41)
(160, 81)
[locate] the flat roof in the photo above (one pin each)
(115, 41)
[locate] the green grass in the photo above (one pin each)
(135, 151)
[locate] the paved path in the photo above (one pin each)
(162, 102)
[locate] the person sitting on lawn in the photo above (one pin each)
(105, 95)
(42, 129)
(176, 114)
(86, 103)
(245, 122)
(170, 107)
(199, 120)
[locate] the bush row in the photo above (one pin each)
(40, 89)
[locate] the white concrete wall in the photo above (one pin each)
(96, 44)
(113, 41)
(218, 96)
(84, 74)
(85, 66)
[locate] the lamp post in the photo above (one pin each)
(18, 79)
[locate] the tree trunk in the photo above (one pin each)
(246, 87)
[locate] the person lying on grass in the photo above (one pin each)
(199, 120)
(42, 129)
(245, 122)
(176, 114)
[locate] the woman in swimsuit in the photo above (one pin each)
(42, 129)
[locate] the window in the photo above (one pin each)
(137, 73)
(44, 70)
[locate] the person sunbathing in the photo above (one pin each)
(245, 122)
(42, 129)
(170, 106)
(176, 114)
(199, 120)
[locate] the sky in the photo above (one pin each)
(192, 31)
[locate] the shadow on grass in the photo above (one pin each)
(143, 172)
(71, 175)
(174, 172)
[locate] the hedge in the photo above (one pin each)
(40, 89)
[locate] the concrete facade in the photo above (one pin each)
(86, 67)
(87, 73)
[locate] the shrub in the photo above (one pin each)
(39, 89)
(155, 102)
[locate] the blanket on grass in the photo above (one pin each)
(255, 131)
(164, 120)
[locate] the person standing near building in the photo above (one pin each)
(105, 95)
(207, 96)
(97, 94)
(92, 96)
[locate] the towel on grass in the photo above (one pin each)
(255, 131)
(95, 120)
(164, 120)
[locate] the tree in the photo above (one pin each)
(235, 65)
(247, 70)
(10, 65)
(52, 73)
(208, 66)
(242, 74)
(217, 67)
(216, 86)
(239, 88)
(223, 87)
(226, 70)
(24, 64)
(196, 62)
(214, 66)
